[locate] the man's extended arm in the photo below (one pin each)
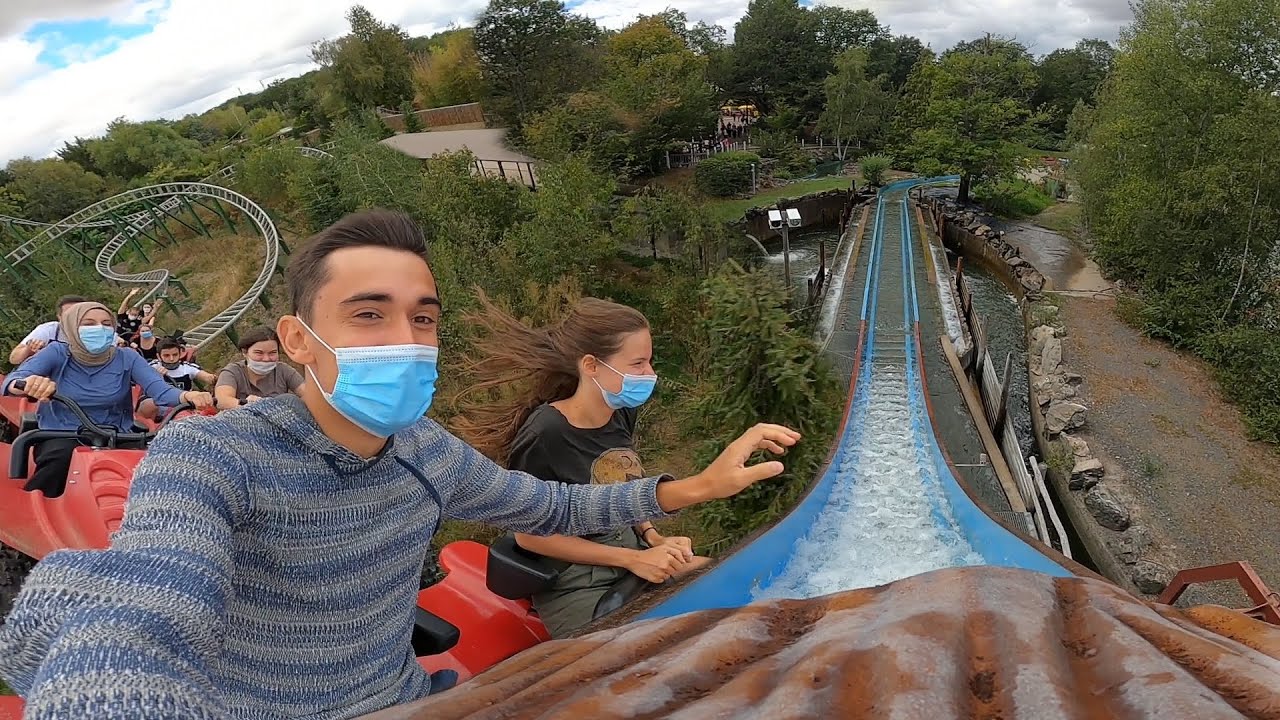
(477, 489)
(131, 632)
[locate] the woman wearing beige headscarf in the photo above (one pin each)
(90, 370)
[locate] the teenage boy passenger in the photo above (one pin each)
(269, 559)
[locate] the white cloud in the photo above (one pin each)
(18, 15)
(17, 63)
(201, 53)
(198, 55)
(1042, 25)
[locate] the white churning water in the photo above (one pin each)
(887, 516)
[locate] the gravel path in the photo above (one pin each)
(1175, 448)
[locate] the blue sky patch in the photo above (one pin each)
(75, 41)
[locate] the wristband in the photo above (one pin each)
(645, 533)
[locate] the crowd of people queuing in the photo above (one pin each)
(733, 129)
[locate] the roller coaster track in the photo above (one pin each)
(168, 198)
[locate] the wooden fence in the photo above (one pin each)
(465, 114)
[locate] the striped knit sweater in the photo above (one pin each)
(264, 572)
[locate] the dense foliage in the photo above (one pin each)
(1180, 172)
(756, 365)
(726, 174)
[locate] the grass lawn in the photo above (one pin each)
(730, 209)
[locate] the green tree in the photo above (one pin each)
(840, 29)
(874, 167)
(52, 189)
(588, 125)
(370, 66)
(533, 53)
(132, 152)
(857, 105)
(659, 85)
(78, 152)
(1181, 169)
(894, 58)
(969, 112)
(1069, 77)
(411, 122)
(778, 58)
(449, 73)
(267, 126)
(230, 121)
(568, 232)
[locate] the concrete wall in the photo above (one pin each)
(470, 115)
(816, 211)
(978, 249)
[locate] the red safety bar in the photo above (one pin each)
(1267, 607)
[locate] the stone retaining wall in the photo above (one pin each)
(1100, 518)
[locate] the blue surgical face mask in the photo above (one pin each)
(147, 334)
(97, 339)
(636, 390)
(381, 388)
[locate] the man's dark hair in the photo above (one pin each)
(167, 344)
(369, 228)
(66, 300)
(255, 336)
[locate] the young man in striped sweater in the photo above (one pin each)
(268, 562)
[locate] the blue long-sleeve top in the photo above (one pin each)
(105, 392)
(264, 572)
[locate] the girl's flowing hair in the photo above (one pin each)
(515, 368)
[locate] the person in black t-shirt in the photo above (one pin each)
(146, 343)
(128, 318)
(576, 424)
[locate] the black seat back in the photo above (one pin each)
(515, 573)
(433, 634)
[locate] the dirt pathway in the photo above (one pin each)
(1176, 448)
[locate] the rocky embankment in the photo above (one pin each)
(1106, 523)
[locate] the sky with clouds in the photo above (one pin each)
(68, 67)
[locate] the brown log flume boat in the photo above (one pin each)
(981, 642)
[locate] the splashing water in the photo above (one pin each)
(886, 518)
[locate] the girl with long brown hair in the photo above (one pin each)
(570, 393)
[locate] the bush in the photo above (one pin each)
(412, 124)
(725, 174)
(1247, 363)
(754, 363)
(874, 167)
(1012, 198)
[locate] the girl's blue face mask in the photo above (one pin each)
(381, 388)
(97, 339)
(636, 389)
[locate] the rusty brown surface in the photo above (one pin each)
(961, 643)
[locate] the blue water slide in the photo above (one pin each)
(753, 569)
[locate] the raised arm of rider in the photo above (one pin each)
(124, 304)
(146, 617)
(472, 487)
